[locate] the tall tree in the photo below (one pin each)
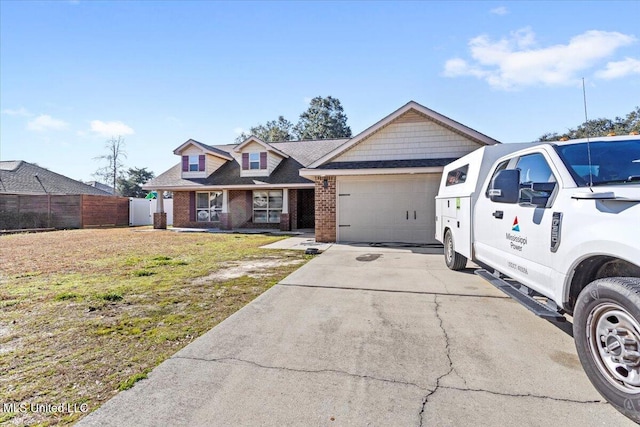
(110, 173)
(130, 185)
(324, 119)
(600, 127)
(273, 131)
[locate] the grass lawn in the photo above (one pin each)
(86, 313)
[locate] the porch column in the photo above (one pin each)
(285, 225)
(160, 216)
(225, 216)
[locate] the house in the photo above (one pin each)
(20, 177)
(33, 197)
(378, 186)
(104, 187)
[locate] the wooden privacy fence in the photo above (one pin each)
(22, 211)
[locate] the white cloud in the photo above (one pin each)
(20, 112)
(517, 61)
(110, 129)
(618, 69)
(45, 122)
(499, 11)
(239, 131)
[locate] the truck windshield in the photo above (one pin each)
(612, 162)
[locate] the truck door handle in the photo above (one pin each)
(498, 214)
(414, 215)
(407, 215)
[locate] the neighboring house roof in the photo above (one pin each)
(101, 186)
(298, 154)
(411, 105)
(20, 177)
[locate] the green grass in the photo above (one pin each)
(85, 313)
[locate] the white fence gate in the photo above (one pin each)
(141, 211)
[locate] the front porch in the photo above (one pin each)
(283, 209)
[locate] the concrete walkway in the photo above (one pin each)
(363, 336)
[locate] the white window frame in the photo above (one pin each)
(205, 213)
(254, 161)
(270, 210)
(194, 163)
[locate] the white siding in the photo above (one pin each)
(213, 163)
(273, 160)
(410, 136)
(192, 150)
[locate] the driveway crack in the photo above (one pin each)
(451, 370)
(527, 395)
(298, 370)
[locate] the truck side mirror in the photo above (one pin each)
(505, 186)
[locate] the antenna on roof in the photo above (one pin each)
(586, 126)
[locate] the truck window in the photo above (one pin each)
(457, 176)
(611, 162)
(536, 178)
(503, 165)
(534, 169)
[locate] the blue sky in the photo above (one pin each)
(75, 73)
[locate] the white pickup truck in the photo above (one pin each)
(556, 225)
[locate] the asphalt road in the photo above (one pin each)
(365, 336)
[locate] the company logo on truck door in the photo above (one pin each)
(516, 242)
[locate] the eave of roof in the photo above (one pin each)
(257, 140)
(207, 148)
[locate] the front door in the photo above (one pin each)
(306, 209)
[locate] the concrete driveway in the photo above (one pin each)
(364, 336)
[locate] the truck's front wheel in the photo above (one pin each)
(454, 260)
(606, 328)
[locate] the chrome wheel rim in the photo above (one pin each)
(449, 249)
(614, 341)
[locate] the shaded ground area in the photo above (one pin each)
(85, 313)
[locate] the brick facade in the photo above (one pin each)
(160, 220)
(181, 209)
(325, 209)
(240, 213)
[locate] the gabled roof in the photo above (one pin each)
(207, 148)
(20, 177)
(411, 105)
(266, 145)
(299, 154)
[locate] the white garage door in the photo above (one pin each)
(392, 208)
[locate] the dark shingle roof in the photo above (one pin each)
(301, 154)
(381, 164)
(20, 177)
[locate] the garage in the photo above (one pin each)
(387, 208)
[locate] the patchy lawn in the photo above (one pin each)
(86, 313)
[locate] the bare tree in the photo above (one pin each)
(110, 173)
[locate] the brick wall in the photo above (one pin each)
(181, 209)
(293, 209)
(240, 207)
(325, 209)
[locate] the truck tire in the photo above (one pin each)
(606, 328)
(453, 259)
